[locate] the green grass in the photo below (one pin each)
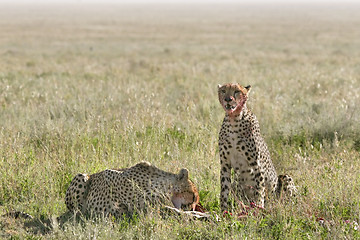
(83, 89)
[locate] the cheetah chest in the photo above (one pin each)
(238, 160)
(240, 156)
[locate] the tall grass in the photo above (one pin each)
(84, 88)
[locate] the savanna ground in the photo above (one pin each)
(85, 88)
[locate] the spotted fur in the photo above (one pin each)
(123, 191)
(285, 185)
(243, 149)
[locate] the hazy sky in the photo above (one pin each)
(176, 1)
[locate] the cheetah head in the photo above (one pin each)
(184, 192)
(233, 97)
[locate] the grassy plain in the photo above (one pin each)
(85, 88)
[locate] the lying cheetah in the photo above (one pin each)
(123, 191)
(243, 149)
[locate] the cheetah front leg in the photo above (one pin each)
(256, 193)
(249, 188)
(225, 180)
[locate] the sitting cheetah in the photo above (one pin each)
(123, 191)
(243, 149)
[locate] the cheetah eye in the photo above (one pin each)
(236, 92)
(223, 91)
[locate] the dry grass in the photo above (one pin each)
(84, 88)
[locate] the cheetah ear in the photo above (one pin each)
(219, 86)
(183, 174)
(248, 88)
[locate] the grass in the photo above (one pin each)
(85, 88)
